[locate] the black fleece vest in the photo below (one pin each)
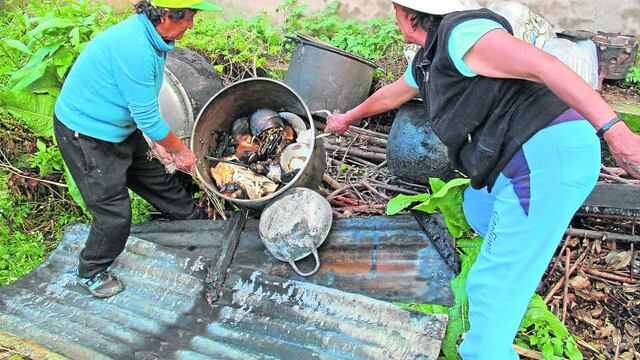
(482, 121)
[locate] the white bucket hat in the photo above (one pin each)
(439, 7)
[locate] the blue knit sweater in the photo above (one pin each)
(113, 87)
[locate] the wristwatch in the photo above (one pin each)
(608, 126)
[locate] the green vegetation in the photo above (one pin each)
(540, 329)
(41, 40)
(38, 198)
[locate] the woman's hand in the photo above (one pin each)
(338, 123)
(184, 159)
(625, 147)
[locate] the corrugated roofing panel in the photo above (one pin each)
(388, 258)
(162, 314)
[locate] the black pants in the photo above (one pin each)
(103, 171)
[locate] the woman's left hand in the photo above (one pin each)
(625, 147)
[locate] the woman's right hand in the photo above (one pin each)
(625, 147)
(338, 123)
(184, 159)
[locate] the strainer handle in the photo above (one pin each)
(315, 270)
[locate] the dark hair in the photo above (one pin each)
(155, 13)
(428, 22)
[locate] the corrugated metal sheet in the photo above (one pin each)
(261, 314)
(387, 258)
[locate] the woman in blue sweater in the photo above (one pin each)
(523, 127)
(108, 100)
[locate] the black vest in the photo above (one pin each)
(482, 121)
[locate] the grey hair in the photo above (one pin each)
(155, 13)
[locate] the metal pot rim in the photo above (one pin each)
(264, 200)
(307, 40)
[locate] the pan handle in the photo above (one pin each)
(315, 270)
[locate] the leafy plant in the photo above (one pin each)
(140, 209)
(633, 76)
(446, 198)
(47, 159)
(20, 250)
(540, 329)
(51, 40)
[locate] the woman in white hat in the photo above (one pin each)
(523, 127)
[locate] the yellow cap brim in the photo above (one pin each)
(205, 6)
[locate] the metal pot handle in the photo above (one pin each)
(322, 113)
(315, 270)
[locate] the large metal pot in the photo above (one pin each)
(328, 78)
(414, 151)
(241, 99)
(189, 82)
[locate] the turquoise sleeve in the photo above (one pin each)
(135, 77)
(464, 36)
(408, 76)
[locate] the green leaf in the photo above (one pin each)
(538, 313)
(48, 83)
(35, 110)
(401, 202)
(73, 188)
(547, 350)
(53, 23)
(27, 75)
(447, 198)
(74, 36)
(62, 59)
(41, 146)
(16, 44)
(89, 20)
(571, 350)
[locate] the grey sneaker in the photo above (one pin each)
(102, 284)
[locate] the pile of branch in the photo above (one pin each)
(593, 286)
(357, 181)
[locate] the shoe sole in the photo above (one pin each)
(98, 295)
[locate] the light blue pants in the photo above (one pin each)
(522, 221)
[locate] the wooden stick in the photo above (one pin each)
(19, 173)
(382, 164)
(564, 246)
(348, 201)
(609, 217)
(335, 184)
(631, 270)
(560, 282)
(382, 185)
(373, 149)
(363, 208)
(411, 184)
(337, 204)
(361, 162)
(565, 293)
(374, 191)
(586, 345)
(356, 130)
(339, 215)
(614, 170)
(357, 152)
(608, 276)
(603, 235)
(619, 179)
(528, 353)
